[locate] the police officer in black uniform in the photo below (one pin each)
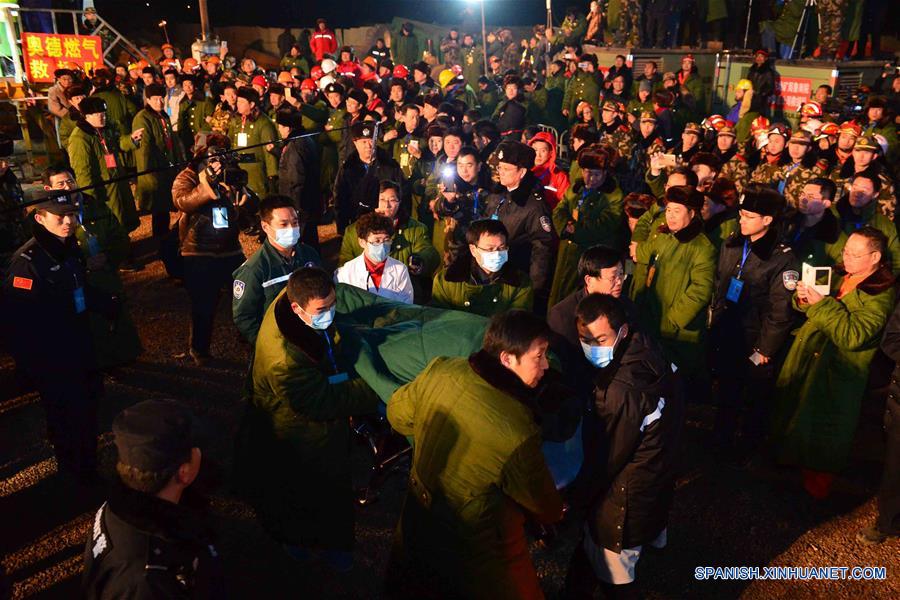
(151, 539)
(751, 317)
(45, 304)
(522, 210)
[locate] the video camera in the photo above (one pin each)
(231, 174)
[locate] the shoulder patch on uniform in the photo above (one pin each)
(101, 543)
(238, 289)
(545, 224)
(311, 263)
(23, 283)
(790, 279)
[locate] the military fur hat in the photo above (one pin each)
(154, 89)
(761, 200)
(91, 105)
(248, 94)
(686, 195)
(516, 153)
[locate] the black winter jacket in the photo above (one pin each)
(298, 177)
(356, 185)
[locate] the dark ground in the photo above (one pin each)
(721, 517)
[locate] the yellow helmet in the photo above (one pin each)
(743, 84)
(446, 77)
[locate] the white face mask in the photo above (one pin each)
(287, 237)
(378, 252)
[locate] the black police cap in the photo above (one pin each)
(762, 201)
(154, 435)
(362, 129)
(62, 204)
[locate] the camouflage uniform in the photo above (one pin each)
(629, 32)
(737, 170)
(797, 176)
(831, 20)
(220, 119)
(887, 201)
(621, 138)
(765, 172)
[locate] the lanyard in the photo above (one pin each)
(475, 208)
(584, 196)
(330, 351)
(744, 258)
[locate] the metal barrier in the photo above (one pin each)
(103, 29)
(551, 130)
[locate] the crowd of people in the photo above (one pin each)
(632, 252)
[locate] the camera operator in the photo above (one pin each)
(464, 191)
(209, 193)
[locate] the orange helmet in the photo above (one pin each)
(189, 65)
(212, 58)
(811, 109)
(828, 129)
(850, 127)
(285, 78)
(169, 46)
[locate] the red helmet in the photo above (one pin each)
(826, 130)
(308, 84)
(316, 73)
(759, 124)
(851, 127)
(716, 122)
(811, 109)
(260, 81)
(401, 72)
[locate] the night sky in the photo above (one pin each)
(297, 13)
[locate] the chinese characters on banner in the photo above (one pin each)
(46, 52)
(790, 93)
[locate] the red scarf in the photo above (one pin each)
(375, 271)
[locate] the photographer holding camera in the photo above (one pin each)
(208, 193)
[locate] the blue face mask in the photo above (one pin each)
(322, 320)
(287, 237)
(494, 261)
(378, 252)
(600, 356)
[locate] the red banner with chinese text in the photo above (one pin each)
(791, 92)
(46, 52)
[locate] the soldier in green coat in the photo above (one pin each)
(859, 208)
(591, 213)
(673, 298)
(104, 243)
(297, 430)
(194, 112)
(120, 110)
(262, 276)
(462, 527)
(472, 60)
(332, 136)
(66, 125)
(584, 86)
(821, 386)
(159, 148)
(405, 46)
(95, 153)
(250, 127)
(487, 95)
(481, 281)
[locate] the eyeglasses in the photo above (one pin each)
(846, 254)
(502, 248)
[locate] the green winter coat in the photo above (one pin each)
(314, 115)
(100, 232)
(582, 86)
(289, 62)
(298, 431)
(871, 216)
(405, 49)
(488, 100)
(597, 217)
(120, 110)
(65, 127)
(260, 279)
(264, 167)
(331, 144)
(477, 472)
(453, 288)
(823, 380)
(472, 60)
(154, 190)
(720, 227)
(88, 159)
(192, 118)
(697, 89)
(673, 302)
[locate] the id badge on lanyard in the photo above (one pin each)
(736, 285)
(242, 139)
(80, 303)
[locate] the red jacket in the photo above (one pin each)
(554, 179)
(322, 43)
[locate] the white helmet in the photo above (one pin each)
(325, 81)
(812, 126)
(328, 66)
(762, 139)
(882, 141)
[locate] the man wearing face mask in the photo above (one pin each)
(210, 248)
(262, 277)
(521, 208)
(750, 320)
(375, 270)
(482, 281)
(304, 392)
(631, 448)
